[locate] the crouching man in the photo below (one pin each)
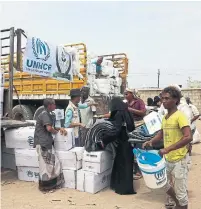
(176, 134)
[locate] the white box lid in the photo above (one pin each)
(98, 157)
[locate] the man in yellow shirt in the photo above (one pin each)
(176, 134)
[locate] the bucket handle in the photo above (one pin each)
(137, 152)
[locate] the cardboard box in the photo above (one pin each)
(70, 179)
(97, 162)
(26, 157)
(65, 143)
(92, 182)
(59, 114)
(153, 122)
(28, 173)
(71, 159)
(8, 161)
(22, 138)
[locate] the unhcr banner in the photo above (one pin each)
(43, 59)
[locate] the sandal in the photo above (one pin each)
(169, 205)
(50, 191)
(137, 176)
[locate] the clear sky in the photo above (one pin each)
(154, 35)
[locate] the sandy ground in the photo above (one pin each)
(24, 195)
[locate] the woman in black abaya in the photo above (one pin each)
(122, 172)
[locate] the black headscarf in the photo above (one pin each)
(156, 100)
(117, 106)
(150, 101)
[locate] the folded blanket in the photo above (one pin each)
(97, 132)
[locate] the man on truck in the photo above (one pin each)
(98, 67)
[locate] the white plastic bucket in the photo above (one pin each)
(155, 176)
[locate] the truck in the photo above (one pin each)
(29, 90)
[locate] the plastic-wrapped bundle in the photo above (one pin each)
(117, 91)
(107, 63)
(113, 81)
(119, 81)
(103, 86)
(91, 69)
(114, 73)
(75, 61)
(91, 78)
(106, 71)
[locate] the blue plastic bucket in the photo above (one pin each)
(152, 166)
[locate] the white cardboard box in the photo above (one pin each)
(28, 173)
(26, 157)
(92, 182)
(70, 179)
(8, 161)
(71, 159)
(59, 114)
(22, 138)
(153, 122)
(65, 143)
(97, 162)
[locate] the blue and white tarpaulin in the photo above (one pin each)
(43, 59)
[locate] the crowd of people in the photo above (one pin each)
(178, 127)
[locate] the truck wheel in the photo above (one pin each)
(22, 112)
(37, 112)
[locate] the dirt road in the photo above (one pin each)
(24, 195)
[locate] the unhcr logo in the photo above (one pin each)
(41, 49)
(38, 61)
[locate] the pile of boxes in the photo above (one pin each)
(21, 141)
(95, 173)
(88, 172)
(70, 158)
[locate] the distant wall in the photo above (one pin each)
(194, 94)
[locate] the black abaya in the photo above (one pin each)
(122, 171)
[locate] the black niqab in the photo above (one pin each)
(121, 108)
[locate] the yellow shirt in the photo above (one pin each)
(172, 133)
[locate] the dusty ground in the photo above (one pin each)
(23, 195)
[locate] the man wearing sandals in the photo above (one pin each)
(176, 134)
(50, 171)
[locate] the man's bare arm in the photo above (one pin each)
(137, 112)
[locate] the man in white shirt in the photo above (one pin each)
(88, 113)
(195, 112)
(182, 106)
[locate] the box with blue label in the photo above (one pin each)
(22, 138)
(28, 173)
(153, 122)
